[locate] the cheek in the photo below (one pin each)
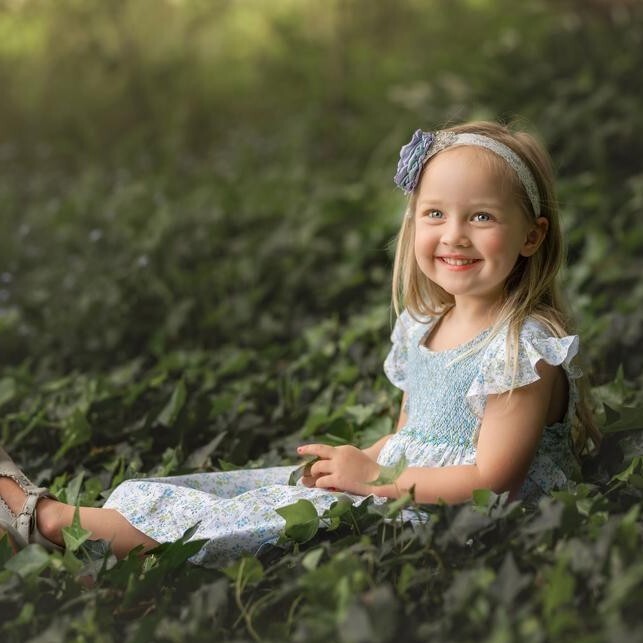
(423, 239)
(498, 245)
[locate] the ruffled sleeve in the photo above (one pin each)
(535, 343)
(395, 364)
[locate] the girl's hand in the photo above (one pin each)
(344, 468)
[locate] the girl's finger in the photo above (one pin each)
(326, 482)
(320, 450)
(321, 467)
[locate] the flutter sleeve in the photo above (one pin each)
(535, 343)
(396, 362)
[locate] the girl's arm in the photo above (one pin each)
(509, 436)
(374, 450)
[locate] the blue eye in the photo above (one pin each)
(482, 217)
(434, 214)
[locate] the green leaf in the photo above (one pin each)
(224, 465)
(299, 472)
(483, 497)
(72, 490)
(172, 555)
(389, 475)
(360, 412)
(338, 432)
(341, 511)
(71, 563)
(632, 474)
(559, 588)
(6, 550)
(26, 614)
(311, 559)
(7, 390)
(248, 570)
(76, 431)
(625, 418)
(405, 578)
(404, 501)
(75, 535)
(29, 561)
(510, 581)
(302, 520)
(167, 417)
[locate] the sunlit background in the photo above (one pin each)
(196, 216)
(223, 162)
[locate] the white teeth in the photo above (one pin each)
(457, 262)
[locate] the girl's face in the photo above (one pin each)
(469, 226)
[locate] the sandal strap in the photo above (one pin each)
(24, 527)
(25, 520)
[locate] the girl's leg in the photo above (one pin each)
(52, 516)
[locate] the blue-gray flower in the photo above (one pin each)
(412, 157)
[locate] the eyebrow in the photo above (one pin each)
(476, 204)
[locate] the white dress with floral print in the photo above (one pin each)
(446, 393)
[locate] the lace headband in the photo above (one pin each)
(424, 145)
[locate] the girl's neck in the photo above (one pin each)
(472, 313)
(459, 325)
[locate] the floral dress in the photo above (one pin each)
(446, 396)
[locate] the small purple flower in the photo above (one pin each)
(412, 158)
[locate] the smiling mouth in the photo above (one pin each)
(451, 261)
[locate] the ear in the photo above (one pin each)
(535, 237)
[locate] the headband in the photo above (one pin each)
(424, 145)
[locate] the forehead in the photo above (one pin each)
(469, 170)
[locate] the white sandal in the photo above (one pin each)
(23, 527)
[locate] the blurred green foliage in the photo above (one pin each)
(196, 210)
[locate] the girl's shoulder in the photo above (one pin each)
(506, 363)
(406, 325)
(534, 342)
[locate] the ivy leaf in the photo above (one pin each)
(301, 471)
(29, 561)
(167, 417)
(76, 431)
(312, 558)
(632, 475)
(404, 501)
(559, 587)
(389, 475)
(626, 418)
(302, 520)
(7, 390)
(75, 535)
(245, 571)
(483, 497)
(72, 490)
(339, 432)
(361, 412)
(171, 555)
(6, 550)
(340, 511)
(510, 581)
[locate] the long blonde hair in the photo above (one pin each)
(531, 289)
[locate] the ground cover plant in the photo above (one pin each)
(196, 212)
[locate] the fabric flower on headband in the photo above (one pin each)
(412, 158)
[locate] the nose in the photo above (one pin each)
(454, 233)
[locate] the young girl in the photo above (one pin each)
(481, 351)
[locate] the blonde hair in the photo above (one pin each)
(531, 289)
